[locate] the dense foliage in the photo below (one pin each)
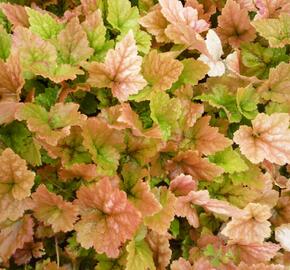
(145, 134)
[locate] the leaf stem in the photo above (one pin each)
(56, 250)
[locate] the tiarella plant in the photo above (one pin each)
(145, 134)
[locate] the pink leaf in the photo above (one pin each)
(268, 139)
(121, 70)
(108, 219)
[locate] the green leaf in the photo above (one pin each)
(143, 110)
(122, 16)
(48, 98)
(72, 44)
(247, 100)
(104, 144)
(229, 160)
(209, 251)
(221, 98)
(95, 30)
(43, 24)
(100, 54)
(140, 256)
(174, 227)
(5, 43)
(276, 31)
(165, 112)
(193, 71)
(274, 107)
(20, 140)
(143, 41)
(251, 177)
(258, 60)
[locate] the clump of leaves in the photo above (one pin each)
(144, 134)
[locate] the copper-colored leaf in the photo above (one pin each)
(8, 111)
(275, 88)
(79, 170)
(53, 210)
(181, 264)
(11, 80)
(206, 139)
(155, 24)
(73, 45)
(13, 209)
(15, 178)
(234, 25)
(104, 144)
(143, 199)
(161, 70)
(120, 71)
(16, 14)
(260, 266)
(51, 126)
(190, 162)
(108, 219)
(269, 139)
(159, 244)
(29, 250)
(14, 235)
(182, 184)
(130, 119)
(160, 221)
(255, 252)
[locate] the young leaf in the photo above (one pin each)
(193, 71)
(72, 44)
(165, 112)
(17, 136)
(252, 227)
(258, 60)
(95, 30)
(229, 160)
(50, 126)
(104, 144)
(221, 98)
(247, 101)
(5, 43)
(160, 221)
(143, 199)
(276, 31)
(35, 53)
(160, 246)
(139, 256)
(16, 14)
(213, 58)
(122, 16)
(155, 24)
(275, 88)
(143, 41)
(43, 24)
